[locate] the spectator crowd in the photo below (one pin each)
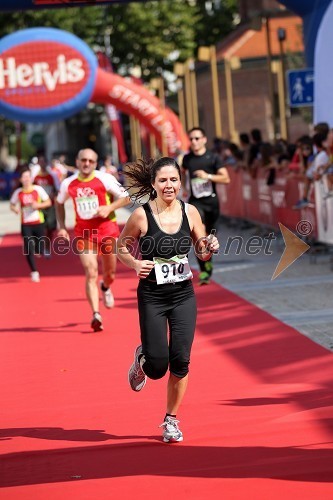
(309, 159)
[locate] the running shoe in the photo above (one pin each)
(171, 431)
(35, 276)
(204, 278)
(97, 322)
(108, 298)
(136, 376)
(301, 204)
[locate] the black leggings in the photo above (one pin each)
(210, 212)
(161, 306)
(33, 242)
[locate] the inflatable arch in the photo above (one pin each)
(136, 100)
(47, 74)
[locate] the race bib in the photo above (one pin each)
(201, 187)
(87, 206)
(30, 215)
(174, 270)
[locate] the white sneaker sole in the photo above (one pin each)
(173, 440)
(108, 302)
(143, 383)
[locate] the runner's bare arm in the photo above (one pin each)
(135, 226)
(37, 205)
(61, 215)
(221, 177)
(14, 208)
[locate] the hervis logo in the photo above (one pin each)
(45, 75)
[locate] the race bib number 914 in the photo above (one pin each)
(174, 270)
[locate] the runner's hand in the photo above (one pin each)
(103, 211)
(201, 174)
(212, 243)
(143, 267)
(63, 233)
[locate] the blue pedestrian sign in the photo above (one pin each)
(300, 87)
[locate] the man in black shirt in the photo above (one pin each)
(205, 169)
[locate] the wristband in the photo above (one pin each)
(210, 177)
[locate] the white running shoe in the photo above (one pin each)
(97, 322)
(35, 276)
(136, 376)
(171, 432)
(108, 298)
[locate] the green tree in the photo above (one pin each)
(216, 20)
(150, 34)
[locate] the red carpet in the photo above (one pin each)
(257, 418)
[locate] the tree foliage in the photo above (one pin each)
(152, 34)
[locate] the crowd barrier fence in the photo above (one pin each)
(252, 199)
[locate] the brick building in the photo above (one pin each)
(253, 91)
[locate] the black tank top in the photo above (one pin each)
(158, 243)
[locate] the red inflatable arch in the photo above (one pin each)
(47, 74)
(136, 100)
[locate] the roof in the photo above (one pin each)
(252, 44)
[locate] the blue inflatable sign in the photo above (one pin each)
(45, 75)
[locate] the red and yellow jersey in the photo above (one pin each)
(49, 182)
(30, 215)
(88, 195)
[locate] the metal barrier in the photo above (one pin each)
(252, 199)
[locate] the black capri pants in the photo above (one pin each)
(33, 242)
(160, 307)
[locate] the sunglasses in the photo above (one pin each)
(87, 160)
(196, 138)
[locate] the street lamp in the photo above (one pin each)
(282, 35)
(270, 74)
(277, 67)
(208, 54)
